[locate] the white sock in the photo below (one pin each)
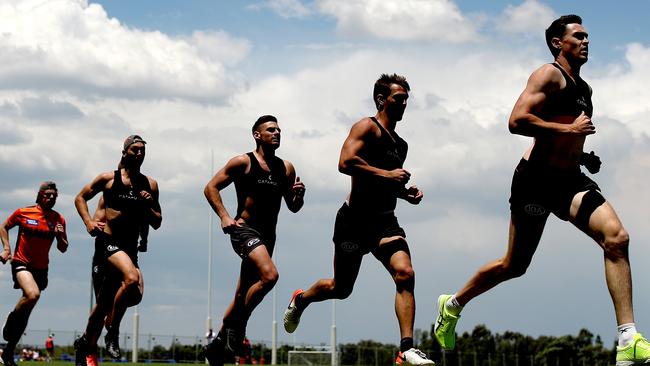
(453, 306)
(626, 334)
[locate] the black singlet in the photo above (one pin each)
(389, 152)
(265, 188)
(570, 101)
(126, 199)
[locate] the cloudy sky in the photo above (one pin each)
(78, 76)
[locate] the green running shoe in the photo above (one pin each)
(635, 353)
(446, 324)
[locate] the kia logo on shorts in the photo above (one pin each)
(349, 246)
(534, 209)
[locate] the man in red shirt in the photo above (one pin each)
(49, 347)
(38, 226)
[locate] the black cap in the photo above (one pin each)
(47, 185)
(132, 140)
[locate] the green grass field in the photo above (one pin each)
(68, 363)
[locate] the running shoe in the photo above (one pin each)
(214, 352)
(635, 353)
(7, 358)
(112, 343)
(80, 351)
(413, 357)
(293, 313)
(445, 328)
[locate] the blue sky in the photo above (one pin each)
(192, 76)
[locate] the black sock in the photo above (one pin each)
(112, 331)
(406, 344)
(15, 326)
(10, 348)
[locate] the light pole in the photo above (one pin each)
(210, 224)
(136, 334)
(333, 331)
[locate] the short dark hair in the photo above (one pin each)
(557, 29)
(265, 118)
(382, 86)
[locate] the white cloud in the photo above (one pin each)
(220, 47)
(621, 90)
(531, 17)
(403, 20)
(284, 8)
(76, 45)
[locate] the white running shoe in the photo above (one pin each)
(292, 314)
(413, 357)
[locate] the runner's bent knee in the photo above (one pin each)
(404, 275)
(511, 269)
(132, 278)
(32, 295)
(270, 276)
(617, 243)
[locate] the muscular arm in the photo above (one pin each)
(155, 211)
(294, 197)
(524, 119)
(235, 167)
(5, 255)
(89, 191)
(351, 162)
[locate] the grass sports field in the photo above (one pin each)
(69, 363)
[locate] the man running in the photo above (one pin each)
(261, 181)
(129, 202)
(49, 347)
(555, 109)
(373, 156)
(38, 226)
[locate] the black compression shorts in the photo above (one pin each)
(104, 275)
(40, 275)
(245, 238)
(359, 233)
(537, 191)
(108, 245)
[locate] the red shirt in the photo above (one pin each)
(35, 234)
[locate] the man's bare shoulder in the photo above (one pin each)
(239, 160)
(106, 175)
(365, 127)
(105, 179)
(237, 164)
(547, 77)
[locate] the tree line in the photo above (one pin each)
(480, 347)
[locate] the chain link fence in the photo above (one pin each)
(188, 349)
